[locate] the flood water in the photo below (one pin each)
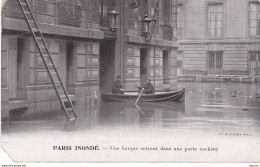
(215, 115)
(212, 115)
(208, 107)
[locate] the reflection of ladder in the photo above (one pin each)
(59, 88)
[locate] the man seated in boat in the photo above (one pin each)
(148, 89)
(117, 86)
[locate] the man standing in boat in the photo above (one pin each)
(117, 86)
(148, 89)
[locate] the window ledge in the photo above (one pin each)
(18, 104)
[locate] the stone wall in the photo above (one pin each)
(38, 93)
(236, 44)
(77, 25)
(235, 58)
(162, 40)
(86, 14)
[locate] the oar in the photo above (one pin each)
(139, 109)
(139, 96)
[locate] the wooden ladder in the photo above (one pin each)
(59, 88)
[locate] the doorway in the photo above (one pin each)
(179, 63)
(165, 67)
(12, 68)
(21, 68)
(69, 83)
(143, 65)
(106, 65)
(254, 64)
(17, 68)
(215, 63)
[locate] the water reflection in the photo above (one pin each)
(208, 107)
(141, 115)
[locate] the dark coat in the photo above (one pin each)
(148, 89)
(116, 87)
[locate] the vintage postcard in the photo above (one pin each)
(130, 80)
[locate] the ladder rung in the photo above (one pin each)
(69, 109)
(42, 47)
(50, 65)
(31, 21)
(35, 30)
(72, 119)
(53, 73)
(64, 98)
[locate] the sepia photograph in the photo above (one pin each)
(172, 81)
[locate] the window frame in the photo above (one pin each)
(223, 33)
(209, 68)
(159, 17)
(249, 20)
(257, 61)
(170, 13)
(183, 3)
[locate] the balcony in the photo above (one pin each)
(69, 14)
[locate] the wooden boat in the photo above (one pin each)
(161, 96)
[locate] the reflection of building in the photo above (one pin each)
(218, 37)
(87, 55)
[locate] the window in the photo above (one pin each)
(105, 7)
(179, 63)
(166, 12)
(254, 18)
(215, 62)
(69, 12)
(154, 13)
(11, 9)
(254, 63)
(180, 20)
(166, 18)
(133, 13)
(215, 19)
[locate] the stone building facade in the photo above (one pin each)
(88, 56)
(218, 37)
(155, 59)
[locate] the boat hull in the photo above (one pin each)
(175, 96)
